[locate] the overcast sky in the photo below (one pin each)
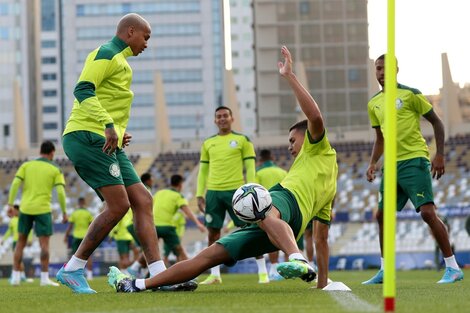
(424, 30)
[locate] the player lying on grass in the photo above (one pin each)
(306, 192)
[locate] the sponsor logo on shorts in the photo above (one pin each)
(208, 218)
(420, 194)
(114, 170)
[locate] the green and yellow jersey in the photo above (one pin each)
(269, 174)
(410, 105)
(222, 161)
(81, 218)
(102, 95)
(12, 229)
(312, 177)
(38, 177)
(120, 232)
(166, 203)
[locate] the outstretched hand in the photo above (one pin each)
(437, 166)
(285, 68)
(126, 139)
(111, 141)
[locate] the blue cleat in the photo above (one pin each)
(75, 280)
(377, 279)
(451, 275)
(275, 277)
(296, 268)
(133, 274)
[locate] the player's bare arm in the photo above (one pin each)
(438, 163)
(306, 101)
(377, 152)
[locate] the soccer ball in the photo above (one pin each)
(251, 202)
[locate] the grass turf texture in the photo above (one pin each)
(417, 292)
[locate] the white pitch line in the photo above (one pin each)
(352, 303)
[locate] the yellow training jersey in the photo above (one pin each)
(81, 218)
(269, 174)
(225, 156)
(410, 105)
(166, 203)
(312, 177)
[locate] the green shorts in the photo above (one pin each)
(123, 246)
(252, 241)
(75, 244)
(13, 246)
(42, 224)
(169, 237)
(217, 203)
(414, 182)
(95, 167)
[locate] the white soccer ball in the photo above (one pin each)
(251, 202)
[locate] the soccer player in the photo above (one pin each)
(38, 177)
(166, 203)
(93, 140)
(223, 157)
(414, 171)
(79, 221)
(306, 192)
(12, 231)
(123, 239)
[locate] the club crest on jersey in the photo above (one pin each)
(114, 170)
(233, 143)
(208, 218)
(398, 103)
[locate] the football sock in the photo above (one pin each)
(135, 266)
(15, 275)
(215, 271)
(381, 263)
(273, 268)
(451, 262)
(297, 256)
(44, 276)
(156, 268)
(140, 283)
(75, 264)
(261, 266)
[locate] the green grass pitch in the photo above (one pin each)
(417, 292)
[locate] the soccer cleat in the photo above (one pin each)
(48, 282)
(126, 284)
(13, 282)
(189, 285)
(377, 279)
(211, 280)
(296, 268)
(451, 275)
(75, 280)
(263, 278)
(275, 277)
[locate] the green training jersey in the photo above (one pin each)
(410, 105)
(120, 231)
(81, 218)
(312, 177)
(269, 174)
(102, 94)
(225, 156)
(166, 203)
(39, 177)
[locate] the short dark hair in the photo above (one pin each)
(265, 155)
(382, 57)
(176, 179)
(145, 176)
(47, 147)
(81, 199)
(302, 125)
(16, 207)
(223, 108)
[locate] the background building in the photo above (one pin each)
(186, 48)
(330, 38)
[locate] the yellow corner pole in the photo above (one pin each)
(390, 155)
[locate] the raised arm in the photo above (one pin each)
(307, 103)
